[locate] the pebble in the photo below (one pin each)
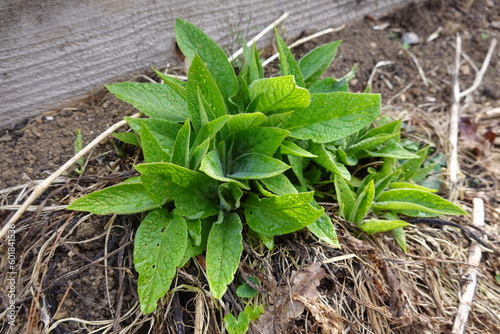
(410, 38)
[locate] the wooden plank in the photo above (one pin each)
(53, 52)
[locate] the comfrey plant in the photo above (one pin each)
(230, 155)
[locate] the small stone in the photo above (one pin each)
(410, 38)
(49, 118)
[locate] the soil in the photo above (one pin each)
(89, 274)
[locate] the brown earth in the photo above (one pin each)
(86, 270)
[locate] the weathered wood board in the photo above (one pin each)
(53, 52)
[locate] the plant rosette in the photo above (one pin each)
(227, 156)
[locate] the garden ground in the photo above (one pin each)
(75, 271)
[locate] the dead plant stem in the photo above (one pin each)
(470, 276)
(39, 189)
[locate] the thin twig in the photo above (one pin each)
(39, 189)
(482, 71)
(259, 35)
(470, 276)
(303, 40)
(453, 166)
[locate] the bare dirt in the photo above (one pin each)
(75, 266)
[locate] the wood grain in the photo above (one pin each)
(53, 52)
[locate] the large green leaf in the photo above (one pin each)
(288, 63)
(200, 77)
(316, 62)
(280, 214)
(278, 93)
(159, 246)
(154, 100)
(333, 116)
(121, 199)
(262, 140)
(194, 193)
(244, 121)
(192, 41)
(279, 185)
(224, 248)
(256, 166)
(414, 202)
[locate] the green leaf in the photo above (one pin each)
(224, 248)
(240, 326)
(159, 246)
(194, 230)
(333, 116)
(289, 147)
(263, 140)
(213, 167)
(246, 291)
(345, 197)
(194, 193)
(255, 70)
(281, 214)
(244, 121)
(392, 150)
(409, 185)
(382, 183)
(151, 147)
(256, 166)
(411, 167)
(279, 185)
(230, 195)
(416, 203)
(154, 100)
(316, 62)
(127, 137)
(278, 93)
(324, 230)
(298, 165)
(201, 82)
(192, 41)
(195, 245)
(164, 131)
(120, 199)
(180, 151)
(369, 144)
(372, 226)
(177, 85)
(288, 63)
(400, 237)
(237, 326)
(329, 85)
(326, 159)
(363, 203)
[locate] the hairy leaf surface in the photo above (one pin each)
(224, 248)
(159, 246)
